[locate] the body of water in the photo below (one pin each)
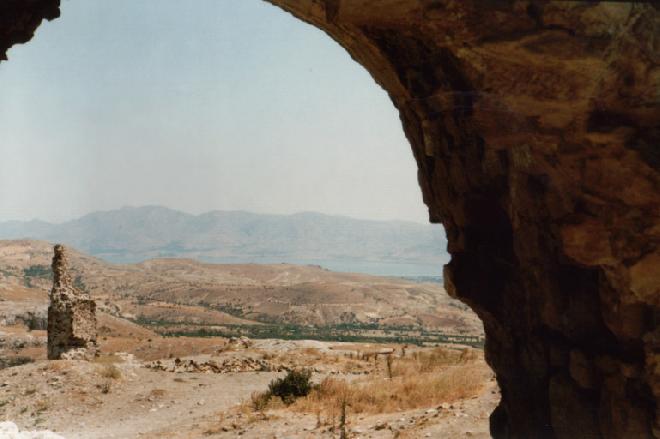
(377, 268)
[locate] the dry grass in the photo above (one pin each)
(110, 371)
(107, 359)
(41, 406)
(261, 401)
(419, 380)
(434, 360)
(57, 366)
(157, 393)
(312, 357)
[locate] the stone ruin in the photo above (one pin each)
(226, 365)
(71, 316)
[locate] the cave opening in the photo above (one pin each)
(109, 120)
(531, 124)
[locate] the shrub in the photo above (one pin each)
(110, 371)
(105, 386)
(259, 401)
(42, 271)
(295, 384)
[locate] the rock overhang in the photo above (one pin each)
(534, 127)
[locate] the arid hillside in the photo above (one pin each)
(185, 296)
(199, 384)
(212, 386)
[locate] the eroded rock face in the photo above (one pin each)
(535, 129)
(71, 316)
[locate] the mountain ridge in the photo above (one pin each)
(134, 234)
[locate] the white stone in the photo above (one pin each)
(9, 430)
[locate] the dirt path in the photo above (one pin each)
(154, 401)
(80, 401)
(116, 396)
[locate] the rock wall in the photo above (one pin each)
(20, 18)
(71, 316)
(535, 129)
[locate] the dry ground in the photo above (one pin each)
(117, 397)
(424, 393)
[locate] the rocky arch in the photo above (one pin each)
(535, 129)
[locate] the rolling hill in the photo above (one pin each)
(176, 293)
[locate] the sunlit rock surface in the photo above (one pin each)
(535, 128)
(71, 316)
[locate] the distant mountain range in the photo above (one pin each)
(134, 234)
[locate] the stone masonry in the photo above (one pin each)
(71, 316)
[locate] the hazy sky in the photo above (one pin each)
(232, 104)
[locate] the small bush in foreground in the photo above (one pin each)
(110, 371)
(295, 384)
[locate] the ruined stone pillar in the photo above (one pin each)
(71, 316)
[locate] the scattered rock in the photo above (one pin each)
(9, 430)
(239, 342)
(227, 365)
(380, 426)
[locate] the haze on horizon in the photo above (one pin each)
(231, 105)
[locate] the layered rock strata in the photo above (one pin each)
(71, 316)
(534, 125)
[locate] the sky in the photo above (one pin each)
(231, 105)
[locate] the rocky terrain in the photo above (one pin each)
(95, 375)
(184, 295)
(120, 395)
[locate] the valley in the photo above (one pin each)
(189, 349)
(177, 297)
